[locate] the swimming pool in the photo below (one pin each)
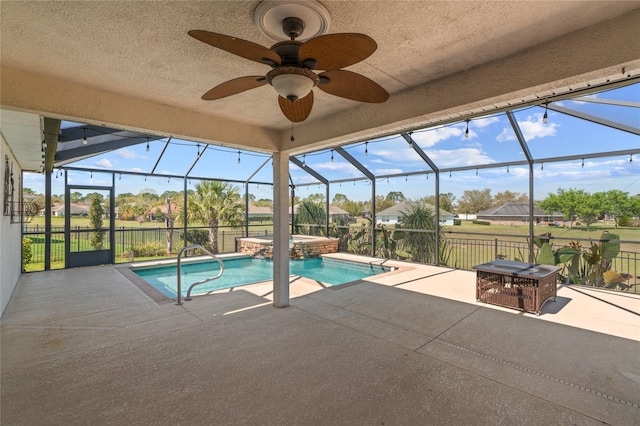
(246, 270)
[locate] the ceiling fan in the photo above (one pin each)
(292, 64)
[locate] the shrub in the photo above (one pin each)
(197, 236)
(481, 222)
(624, 221)
(309, 213)
(457, 222)
(27, 254)
(421, 245)
(149, 250)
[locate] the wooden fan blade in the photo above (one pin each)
(351, 85)
(234, 86)
(237, 46)
(334, 51)
(296, 111)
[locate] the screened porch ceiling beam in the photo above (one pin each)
(197, 159)
(358, 165)
(614, 102)
(527, 154)
(535, 100)
(259, 168)
(598, 120)
(521, 140)
(165, 176)
(309, 170)
(624, 152)
(69, 134)
(166, 145)
(71, 146)
(420, 152)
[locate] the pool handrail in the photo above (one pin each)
(179, 271)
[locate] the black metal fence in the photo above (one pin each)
(128, 242)
(461, 251)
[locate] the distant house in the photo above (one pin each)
(517, 213)
(160, 212)
(258, 213)
(394, 214)
(336, 213)
(77, 209)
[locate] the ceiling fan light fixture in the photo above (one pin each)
(292, 83)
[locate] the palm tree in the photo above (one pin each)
(213, 202)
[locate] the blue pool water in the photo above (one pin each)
(243, 271)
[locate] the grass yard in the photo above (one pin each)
(83, 222)
(562, 235)
(470, 243)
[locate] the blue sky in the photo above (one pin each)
(491, 140)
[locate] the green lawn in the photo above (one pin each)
(563, 235)
(83, 222)
(465, 252)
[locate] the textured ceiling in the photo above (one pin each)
(131, 64)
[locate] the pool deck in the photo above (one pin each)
(408, 347)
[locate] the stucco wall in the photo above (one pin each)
(10, 246)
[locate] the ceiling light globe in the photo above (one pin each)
(292, 86)
(292, 83)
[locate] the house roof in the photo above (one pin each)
(163, 208)
(74, 207)
(516, 210)
(259, 210)
(333, 210)
(401, 208)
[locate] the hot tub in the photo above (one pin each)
(300, 246)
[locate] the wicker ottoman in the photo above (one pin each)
(517, 285)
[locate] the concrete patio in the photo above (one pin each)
(410, 347)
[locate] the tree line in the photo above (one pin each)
(572, 203)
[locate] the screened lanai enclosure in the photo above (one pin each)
(583, 142)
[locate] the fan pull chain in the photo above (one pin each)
(292, 138)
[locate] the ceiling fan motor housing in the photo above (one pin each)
(288, 52)
(293, 27)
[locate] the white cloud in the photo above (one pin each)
(459, 157)
(136, 169)
(484, 122)
(337, 166)
(104, 163)
(127, 154)
(433, 136)
(519, 172)
(401, 155)
(532, 128)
